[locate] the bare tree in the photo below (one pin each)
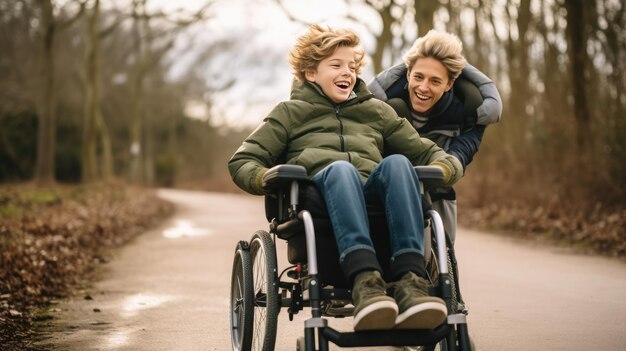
(425, 15)
(44, 167)
(94, 125)
(91, 79)
(577, 38)
(17, 45)
(147, 53)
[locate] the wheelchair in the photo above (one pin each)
(296, 213)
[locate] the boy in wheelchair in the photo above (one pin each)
(358, 153)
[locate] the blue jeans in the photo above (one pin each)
(394, 184)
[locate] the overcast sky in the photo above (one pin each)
(261, 70)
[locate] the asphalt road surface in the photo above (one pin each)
(169, 289)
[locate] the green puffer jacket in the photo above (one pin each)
(310, 130)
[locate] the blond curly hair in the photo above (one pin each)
(319, 43)
(444, 47)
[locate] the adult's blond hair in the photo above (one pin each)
(444, 47)
(319, 43)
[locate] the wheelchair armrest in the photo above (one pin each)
(430, 176)
(281, 176)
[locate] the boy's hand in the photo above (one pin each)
(452, 170)
(445, 169)
(258, 181)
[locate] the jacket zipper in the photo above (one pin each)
(341, 138)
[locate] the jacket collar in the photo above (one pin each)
(311, 92)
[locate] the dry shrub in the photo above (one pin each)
(550, 184)
(51, 238)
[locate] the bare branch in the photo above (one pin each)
(199, 15)
(108, 30)
(290, 15)
(77, 15)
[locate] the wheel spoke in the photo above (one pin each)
(260, 299)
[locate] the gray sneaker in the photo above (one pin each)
(418, 310)
(373, 308)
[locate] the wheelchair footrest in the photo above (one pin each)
(394, 337)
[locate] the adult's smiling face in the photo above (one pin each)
(428, 81)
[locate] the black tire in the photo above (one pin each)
(241, 300)
(432, 271)
(265, 291)
(453, 306)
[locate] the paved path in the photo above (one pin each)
(169, 289)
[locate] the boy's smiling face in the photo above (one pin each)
(336, 74)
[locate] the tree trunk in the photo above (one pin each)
(550, 69)
(476, 56)
(135, 129)
(92, 96)
(524, 17)
(44, 167)
(384, 39)
(136, 152)
(577, 36)
(454, 22)
(94, 126)
(425, 15)
(106, 145)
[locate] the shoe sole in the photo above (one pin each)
(426, 315)
(379, 315)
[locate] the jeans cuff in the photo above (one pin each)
(407, 262)
(359, 261)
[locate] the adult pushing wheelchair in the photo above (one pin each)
(297, 214)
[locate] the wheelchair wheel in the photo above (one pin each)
(265, 291)
(241, 299)
(432, 272)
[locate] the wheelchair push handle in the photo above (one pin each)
(430, 176)
(281, 176)
(429, 173)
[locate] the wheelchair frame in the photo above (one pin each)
(258, 293)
